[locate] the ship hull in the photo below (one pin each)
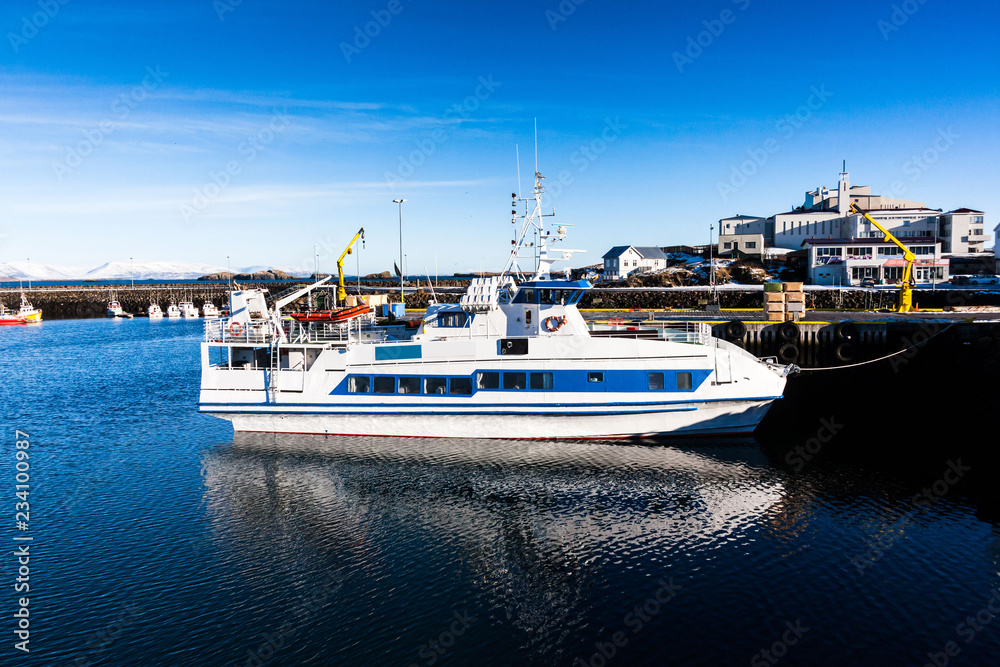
(520, 422)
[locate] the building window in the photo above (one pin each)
(828, 252)
(751, 244)
(727, 245)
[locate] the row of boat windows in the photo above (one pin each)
(548, 297)
(381, 384)
(508, 380)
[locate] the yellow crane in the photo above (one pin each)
(905, 288)
(342, 289)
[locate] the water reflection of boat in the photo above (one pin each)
(532, 522)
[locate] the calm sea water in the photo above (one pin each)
(159, 538)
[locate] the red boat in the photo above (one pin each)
(341, 315)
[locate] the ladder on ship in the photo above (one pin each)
(272, 385)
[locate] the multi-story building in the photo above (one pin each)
(848, 261)
(825, 215)
(622, 260)
(962, 231)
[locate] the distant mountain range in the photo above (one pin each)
(117, 271)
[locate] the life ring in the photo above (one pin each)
(235, 328)
(554, 323)
(616, 321)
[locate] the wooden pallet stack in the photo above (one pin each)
(795, 301)
(774, 302)
(784, 302)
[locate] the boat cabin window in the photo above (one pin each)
(548, 297)
(457, 319)
(515, 381)
(409, 385)
(595, 377)
(461, 386)
(435, 385)
(357, 384)
(488, 380)
(527, 317)
(655, 381)
(385, 385)
(541, 380)
(684, 381)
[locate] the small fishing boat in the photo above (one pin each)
(30, 314)
(173, 312)
(114, 308)
(188, 310)
(10, 317)
(208, 309)
(154, 312)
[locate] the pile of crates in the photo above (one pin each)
(784, 302)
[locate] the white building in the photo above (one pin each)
(848, 261)
(622, 260)
(825, 214)
(738, 245)
(963, 231)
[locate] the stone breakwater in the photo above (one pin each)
(86, 302)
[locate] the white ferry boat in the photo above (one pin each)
(154, 312)
(208, 309)
(511, 360)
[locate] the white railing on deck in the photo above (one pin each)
(220, 330)
(699, 333)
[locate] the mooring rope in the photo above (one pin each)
(872, 361)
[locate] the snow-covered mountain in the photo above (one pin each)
(118, 270)
(150, 271)
(37, 271)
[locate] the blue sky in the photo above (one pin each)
(191, 130)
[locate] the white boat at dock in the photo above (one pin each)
(154, 312)
(514, 359)
(173, 312)
(208, 309)
(188, 310)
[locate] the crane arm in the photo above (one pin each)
(905, 294)
(907, 253)
(342, 288)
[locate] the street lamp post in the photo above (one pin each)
(131, 270)
(400, 202)
(711, 261)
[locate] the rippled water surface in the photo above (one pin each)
(159, 538)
